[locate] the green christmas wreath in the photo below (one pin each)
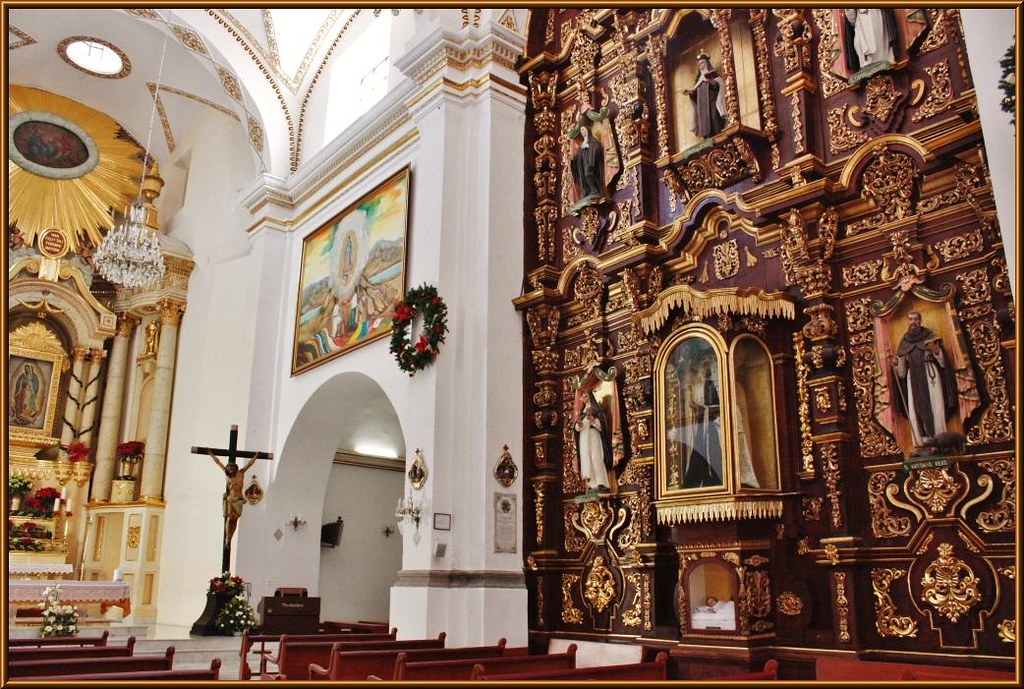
(424, 301)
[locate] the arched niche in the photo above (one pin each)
(692, 33)
(756, 457)
(712, 591)
(67, 300)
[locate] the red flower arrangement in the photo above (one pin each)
(47, 494)
(131, 448)
(226, 583)
(78, 452)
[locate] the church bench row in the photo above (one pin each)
(769, 671)
(360, 627)
(61, 641)
(55, 652)
(250, 640)
(294, 657)
(840, 669)
(359, 665)
(211, 673)
(462, 669)
(89, 666)
(656, 670)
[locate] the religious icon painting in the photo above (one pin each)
(34, 366)
(506, 471)
(352, 275)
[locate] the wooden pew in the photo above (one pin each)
(656, 670)
(249, 640)
(213, 673)
(360, 627)
(294, 658)
(770, 671)
(855, 669)
(363, 665)
(90, 666)
(55, 652)
(61, 641)
(457, 670)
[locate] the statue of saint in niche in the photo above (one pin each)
(593, 159)
(875, 36)
(708, 98)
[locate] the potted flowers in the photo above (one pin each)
(236, 616)
(129, 453)
(58, 620)
(17, 487)
(227, 585)
(78, 452)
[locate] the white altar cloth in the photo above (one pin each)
(106, 593)
(28, 569)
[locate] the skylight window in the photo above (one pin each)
(95, 56)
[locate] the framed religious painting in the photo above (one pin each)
(352, 275)
(35, 363)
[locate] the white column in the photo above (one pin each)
(90, 395)
(110, 418)
(69, 427)
(160, 412)
(468, 180)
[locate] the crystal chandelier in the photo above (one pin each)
(130, 255)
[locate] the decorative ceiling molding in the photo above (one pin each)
(355, 459)
(270, 54)
(126, 63)
(25, 39)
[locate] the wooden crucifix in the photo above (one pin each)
(234, 499)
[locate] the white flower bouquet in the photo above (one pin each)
(58, 619)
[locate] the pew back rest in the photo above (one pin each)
(931, 673)
(656, 670)
(89, 666)
(358, 665)
(213, 673)
(61, 641)
(294, 658)
(55, 652)
(462, 669)
(249, 641)
(854, 669)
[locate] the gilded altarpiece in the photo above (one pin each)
(749, 257)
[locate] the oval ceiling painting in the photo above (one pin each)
(49, 145)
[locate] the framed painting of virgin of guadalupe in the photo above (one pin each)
(352, 275)
(35, 364)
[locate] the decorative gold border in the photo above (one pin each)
(126, 63)
(46, 433)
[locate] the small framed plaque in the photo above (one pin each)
(442, 521)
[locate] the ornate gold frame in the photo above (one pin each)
(35, 342)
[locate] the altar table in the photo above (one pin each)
(106, 593)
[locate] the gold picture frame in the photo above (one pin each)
(36, 362)
(352, 275)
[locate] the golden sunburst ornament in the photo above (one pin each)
(67, 167)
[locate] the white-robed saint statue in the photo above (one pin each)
(599, 441)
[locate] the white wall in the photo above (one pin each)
(988, 33)
(356, 577)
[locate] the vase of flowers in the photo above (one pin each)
(129, 454)
(58, 619)
(236, 616)
(17, 487)
(221, 591)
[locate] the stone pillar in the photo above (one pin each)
(160, 412)
(110, 418)
(71, 412)
(90, 394)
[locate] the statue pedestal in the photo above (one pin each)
(122, 491)
(206, 625)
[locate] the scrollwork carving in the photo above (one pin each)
(789, 604)
(887, 622)
(840, 136)
(940, 95)
(538, 507)
(1001, 517)
(937, 33)
(888, 180)
(570, 613)
(828, 48)
(881, 97)
(793, 42)
(960, 246)
(803, 408)
(884, 524)
(842, 606)
(588, 291)
(727, 259)
(949, 585)
(722, 165)
(831, 470)
(599, 589)
(995, 423)
(933, 488)
(863, 273)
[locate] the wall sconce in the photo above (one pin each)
(406, 510)
(296, 521)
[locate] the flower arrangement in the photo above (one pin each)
(78, 452)
(131, 448)
(26, 544)
(58, 620)
(27, 530)
(236, 616)
(226, 583)
(425, 301)
(129, 453)
(18, 485)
